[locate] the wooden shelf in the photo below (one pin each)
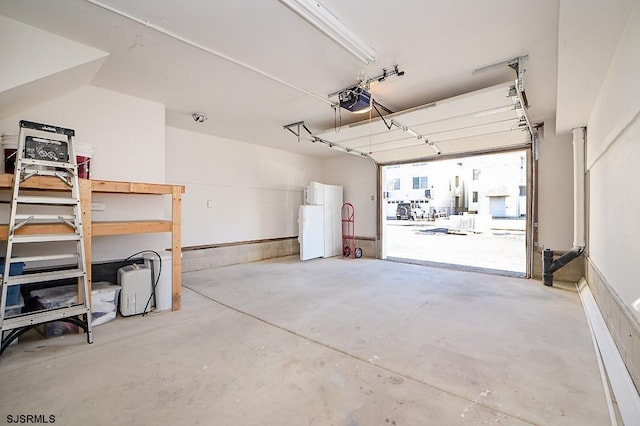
(87, 188)
(99, 186)
(130, 227)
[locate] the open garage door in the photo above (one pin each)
(464, 212)
(489, 119)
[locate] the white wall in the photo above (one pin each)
(555, 189)
(358, 177)
(29, 53)
(127, 134)
(613, 162)
(255, 191)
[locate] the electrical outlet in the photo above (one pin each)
(98, 207)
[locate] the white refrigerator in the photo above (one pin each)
(320, 222)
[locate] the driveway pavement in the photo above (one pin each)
(500, 249)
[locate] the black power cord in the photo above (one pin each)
(153, 288)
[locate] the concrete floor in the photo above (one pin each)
(324, 342)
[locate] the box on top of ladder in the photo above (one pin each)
(45, 226)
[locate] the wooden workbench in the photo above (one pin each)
(95, 229)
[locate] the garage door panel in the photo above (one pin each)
(416, 151)
(483, 142)
(390, 145)
(466, 121)
(465, 132)
(478, 121)
(482, 102)
(405, 140)
(501, 140)
(374, 139)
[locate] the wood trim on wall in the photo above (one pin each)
(249, 242)
(237, 243)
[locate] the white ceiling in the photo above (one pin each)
(437, 43)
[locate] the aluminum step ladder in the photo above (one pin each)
(45, 150)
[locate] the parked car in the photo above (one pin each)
(409, 211)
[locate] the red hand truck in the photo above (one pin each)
(349, 249)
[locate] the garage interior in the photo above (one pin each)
(206, 124)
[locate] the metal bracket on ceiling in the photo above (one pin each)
(340, 147)
(517, 93)
(523, 109)
(365, 83)
(299, 125)
(508, 62)
(517, 64)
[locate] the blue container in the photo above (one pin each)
(13, 292)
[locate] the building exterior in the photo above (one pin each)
(437, 187)
(496, 185)
(490, 185)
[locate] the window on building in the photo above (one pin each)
(393, 185)
(420, 182)
(474, 196)
(523, 191)
(476, 174)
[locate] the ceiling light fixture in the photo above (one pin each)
(321, 18)
(199, 117)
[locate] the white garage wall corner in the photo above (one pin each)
(618, 101)
(358, 177)
(254, 191)
(20, 44)
(613, 156)
(555, 189)
(127, 135)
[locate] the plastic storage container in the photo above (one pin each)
(84, 154)
(13, 292)
(104, 302)
(104, 299)
(55, 297)
(12, 311)
(9, 147)
(163, 290)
